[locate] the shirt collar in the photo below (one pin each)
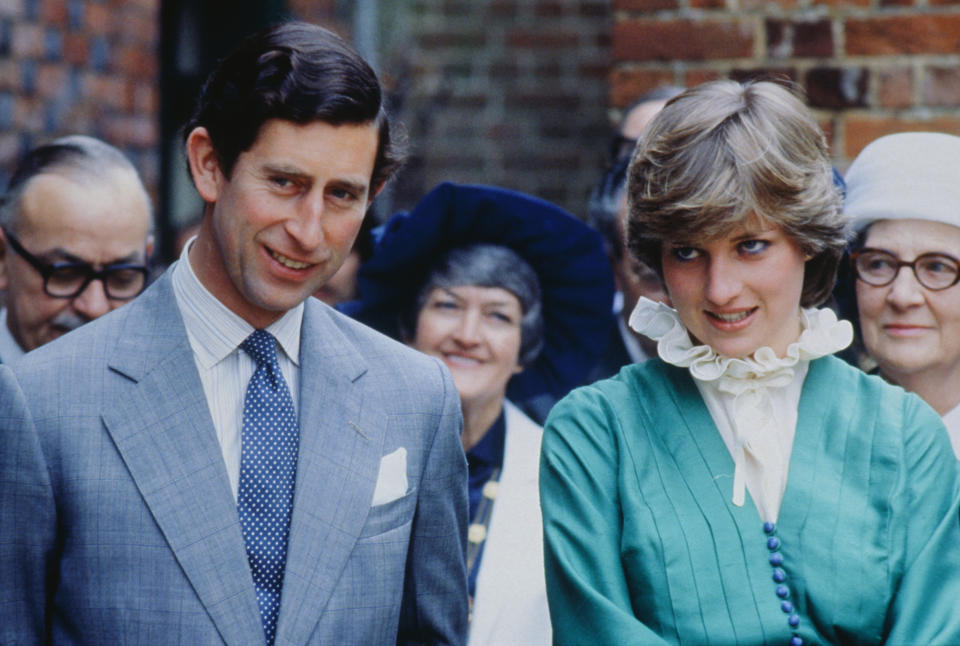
(214, 330)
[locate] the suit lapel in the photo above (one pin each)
(161, 425)
(341, 439)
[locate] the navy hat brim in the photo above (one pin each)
(569, 258)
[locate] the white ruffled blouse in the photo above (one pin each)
(753, 401)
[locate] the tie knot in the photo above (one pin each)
(262, 347)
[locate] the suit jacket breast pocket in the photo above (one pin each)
(390, 516)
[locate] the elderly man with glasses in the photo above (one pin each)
(75, 226)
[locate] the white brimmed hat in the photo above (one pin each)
(911, 175)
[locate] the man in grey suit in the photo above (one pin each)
(226, 460)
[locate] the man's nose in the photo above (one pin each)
(92, 302)
(306, 227)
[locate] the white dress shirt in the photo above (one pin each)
(215, 334)
(760, 440)
(10, 350)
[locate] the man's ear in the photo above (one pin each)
(204, 165)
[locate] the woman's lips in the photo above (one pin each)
(904, 329)
(461, 360)
(731, 321)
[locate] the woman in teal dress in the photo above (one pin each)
(747, 487)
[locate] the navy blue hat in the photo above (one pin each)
(575, 277)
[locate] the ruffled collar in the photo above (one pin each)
(822, 334)
(748, 386)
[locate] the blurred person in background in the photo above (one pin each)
(903, 192)
(607, 212)
(75, 239)
(510, 292)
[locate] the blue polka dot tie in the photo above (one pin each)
(268, 469)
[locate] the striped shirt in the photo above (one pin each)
(215, 334)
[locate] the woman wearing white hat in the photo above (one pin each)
(903, 192)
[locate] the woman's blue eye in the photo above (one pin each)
(685, 254)
(754, 246)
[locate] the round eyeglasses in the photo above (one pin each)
(121, 281)
(877, 267)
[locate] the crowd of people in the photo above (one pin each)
(714, 409)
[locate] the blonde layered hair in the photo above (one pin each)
(723, 151)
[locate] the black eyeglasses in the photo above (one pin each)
(877, 267)
(121, 281)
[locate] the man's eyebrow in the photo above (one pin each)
(280, 168)
(352, 186)
(59, 253)
(273, 168)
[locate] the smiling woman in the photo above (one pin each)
(479, 312)
(719, 493)
(904, 194)
(511, 294)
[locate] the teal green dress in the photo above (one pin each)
(644, 546)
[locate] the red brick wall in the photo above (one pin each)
(505, 92)
(510, 92)
(80, 66)
(870, 67)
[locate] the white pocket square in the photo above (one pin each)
(392, 480)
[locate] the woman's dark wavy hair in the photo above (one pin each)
(297, 72)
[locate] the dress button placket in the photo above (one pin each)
(780, 578)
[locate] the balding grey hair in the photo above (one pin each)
(69, 156)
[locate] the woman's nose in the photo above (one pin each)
(722, 282)
(468, 331)
(905, 290)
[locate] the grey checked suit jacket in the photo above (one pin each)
(117, 524)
